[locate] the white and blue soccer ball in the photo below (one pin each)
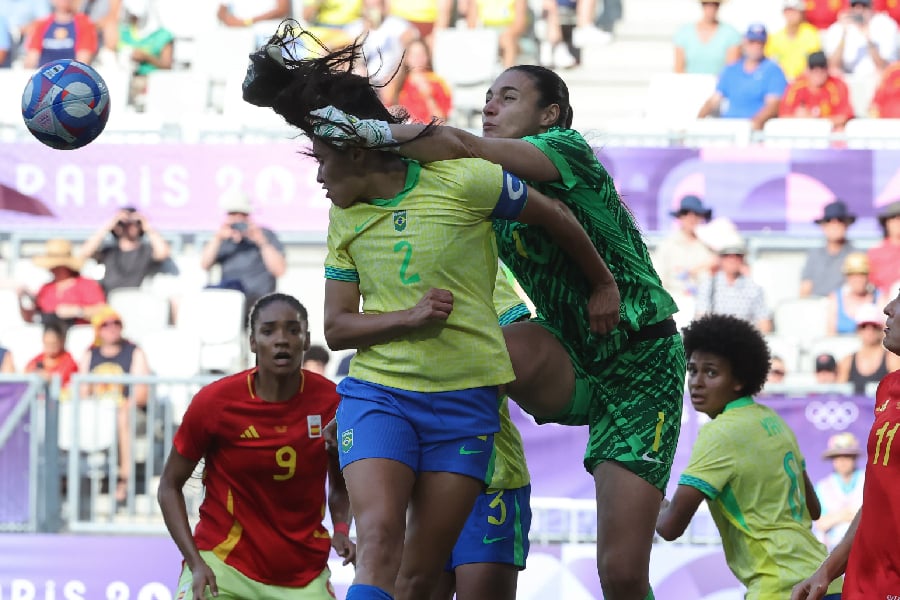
(65, 104)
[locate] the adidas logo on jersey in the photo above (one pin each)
(250, 433)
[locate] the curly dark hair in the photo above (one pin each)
(735, 340)
(294, 86)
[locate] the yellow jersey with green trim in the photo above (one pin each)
(748, 464)
(436, 233)
(510, 468)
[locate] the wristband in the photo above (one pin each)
(342, 528)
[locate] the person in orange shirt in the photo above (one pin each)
(817, 94)
(886, 102)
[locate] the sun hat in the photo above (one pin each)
(58, 253)
(842, 444)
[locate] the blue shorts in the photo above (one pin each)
(450, 432)
(496, 530)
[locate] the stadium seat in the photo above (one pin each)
(215, 316)
(176, 95)
(797, 133)
(96, 422)
(686, 309)
(801, 318)
(142, 312)
(677, 97)
(9, 308)
(467, 60)
(13, 82)
(24, 340)
(788, 349)
(634, 132)
(174, 353)
(78, 339)
(718, 132)
(838, 346)
(127, 127)
(873, 133)
(779, 275)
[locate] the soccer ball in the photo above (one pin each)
(65, 104)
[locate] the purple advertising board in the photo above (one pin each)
(178, 186)
(94, 567)
(14, 458)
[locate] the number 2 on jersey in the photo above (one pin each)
(404, 278)
(883, 434)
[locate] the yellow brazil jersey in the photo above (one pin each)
(435, 234)
(747, 463)
(496, 13)
(791, 53)
(336, 13)
(415, 11)
(510, 468)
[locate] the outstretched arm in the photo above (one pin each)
(446, 143)
(675, 516)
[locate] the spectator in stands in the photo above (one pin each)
(251, 256)
(791, 45)
(822, 14)
(21, 17)
(884, 259)
(777, 371)
(111, 354)
(817, 94)
(855, 292)
(128, 247)
(152, 46)
(872, 361)
(730, 291)
(422, 92)
(508, 17)
(841, 492)
(54, 359)
(5, 43)
(708, 45)
(106, 16)
(554, 47)
(316, 359)
(335, 14)
(752, 86)
(861, 42)
(66, 33)
(886, 101)
(682, 259)
(386, 39)
(822, 271)
(427, 16)
(610, 14)
(6, 361)
(262, 15)
(69, 298)
(826, 369)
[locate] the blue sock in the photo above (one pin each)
(358, 591)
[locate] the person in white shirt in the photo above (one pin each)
(861, 42)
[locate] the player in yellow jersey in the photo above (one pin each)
(415, 245)
(493, 545)
(746, 464)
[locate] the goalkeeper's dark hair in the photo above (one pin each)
(293, 87)
(735, 340)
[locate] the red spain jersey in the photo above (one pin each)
(873, 570)
(887, 97)
(265, 472)
(832, 99)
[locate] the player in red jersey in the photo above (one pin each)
(868, 551)
(260, 532)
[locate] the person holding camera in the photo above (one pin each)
(251, 256)
(128, 247)
(862, 41)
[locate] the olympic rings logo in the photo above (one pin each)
(832, 414)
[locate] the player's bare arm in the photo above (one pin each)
(565, 230)
(816, 587)
(346, 327)
(675, 516)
